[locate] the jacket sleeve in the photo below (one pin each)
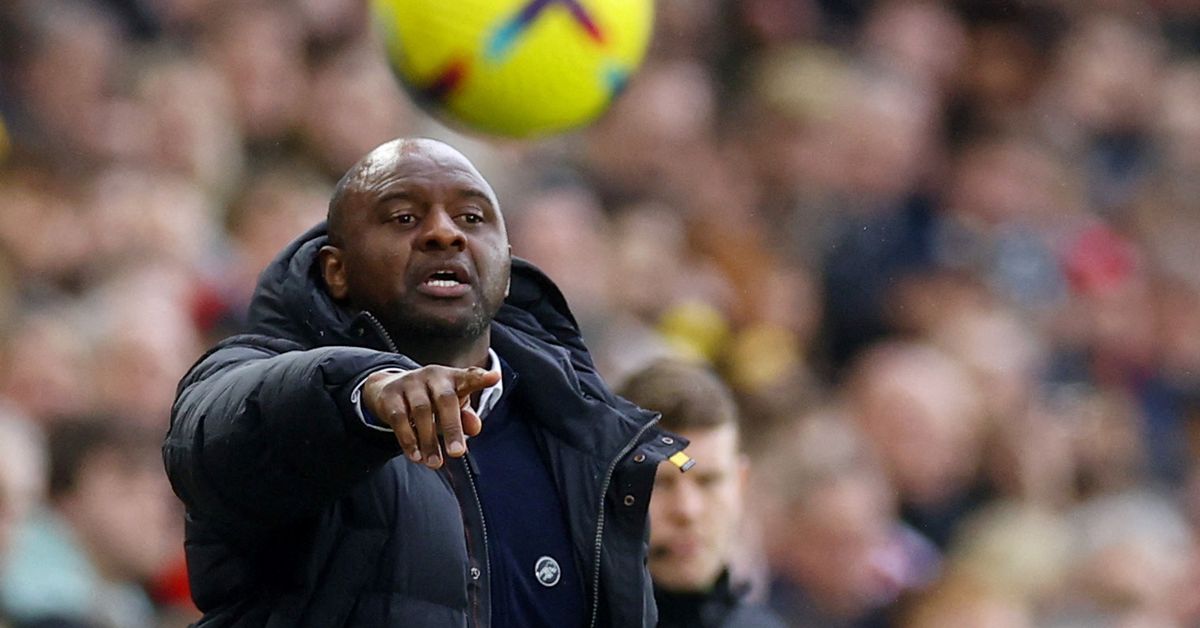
(263, 433)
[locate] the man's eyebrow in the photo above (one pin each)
(403, 194)
(385, 201)
(476, 193)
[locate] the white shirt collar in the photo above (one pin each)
(490, 396)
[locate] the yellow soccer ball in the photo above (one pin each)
(515, 68)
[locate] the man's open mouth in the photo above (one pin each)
(443, 279)
(445, 283)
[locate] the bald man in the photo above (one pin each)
(412, 432)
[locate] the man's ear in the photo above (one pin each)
(333, 270)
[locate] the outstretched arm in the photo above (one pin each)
(263, 433)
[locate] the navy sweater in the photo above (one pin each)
(534, 578)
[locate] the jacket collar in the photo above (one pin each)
(291, 300)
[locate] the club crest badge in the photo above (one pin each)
(547, 571)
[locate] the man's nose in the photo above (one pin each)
(441, 232)
(687, 502)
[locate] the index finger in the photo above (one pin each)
(470, 380)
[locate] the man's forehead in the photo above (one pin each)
(394, 165)
(715, 438)
(401, 156)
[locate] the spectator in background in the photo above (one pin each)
(143, 216)
(695, 518)
(22, 477)
(43, 365)
(192, 119)
(1003, 566)
(83, 561)
(883, 215)
(64, 77)
(43, 240)
(564, 231)
(353, 104)
(839, 557)
(1005, 201)
(1132, 563)
(648, 144)
(134, 372)
(260, 50)
(22, 473)
(919, 410)
(962, 605)
(277, 202)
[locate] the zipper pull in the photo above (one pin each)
(682, 460)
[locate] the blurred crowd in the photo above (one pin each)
(944, 252)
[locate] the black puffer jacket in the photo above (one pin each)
(299, 515)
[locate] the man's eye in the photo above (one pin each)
(472, 219)
(405, 219)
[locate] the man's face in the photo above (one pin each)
(694, 515)
(425, 247)
(121, 511)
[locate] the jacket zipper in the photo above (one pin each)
(387, 338)
(612, 467)
(487, 561)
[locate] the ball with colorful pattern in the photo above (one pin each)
(515, 68)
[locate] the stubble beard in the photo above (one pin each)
(404, 323)
(413, 330)
(410, 327)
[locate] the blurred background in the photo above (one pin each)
(947, 253)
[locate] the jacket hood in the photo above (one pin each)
(291, 301)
